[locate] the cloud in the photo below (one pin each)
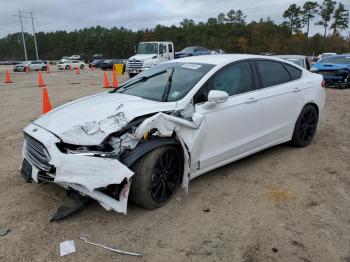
(134, 14)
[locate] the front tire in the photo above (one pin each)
(81, 66)
(305, 127)
(157, 177)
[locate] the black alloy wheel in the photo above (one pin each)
(305, 127)
(157, 176)
(166, 175)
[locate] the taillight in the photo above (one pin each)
(323, 83)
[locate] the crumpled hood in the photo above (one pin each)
(143, 57)
(89, 120)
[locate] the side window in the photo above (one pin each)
(170, 47)
(272, 73)
(234, 79)
(295, 73)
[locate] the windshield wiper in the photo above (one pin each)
(168, 86)
(137, 80)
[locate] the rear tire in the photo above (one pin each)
(81, 66)
(67, 67)
(305, 127)
(157, 177)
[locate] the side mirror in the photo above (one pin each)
(217, 96)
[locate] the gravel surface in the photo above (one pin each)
(282, 204)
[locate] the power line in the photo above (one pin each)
(21, 16)
(23, 39)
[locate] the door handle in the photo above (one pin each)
(296, 89)
(251, 100)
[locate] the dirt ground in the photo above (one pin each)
(283, 204)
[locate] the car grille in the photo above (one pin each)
(36, 153)
(135, 64)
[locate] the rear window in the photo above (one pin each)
(272, 73)
(295, 73)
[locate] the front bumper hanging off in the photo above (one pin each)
(44, 162)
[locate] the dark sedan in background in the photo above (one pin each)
(108, 64)
(192, 51)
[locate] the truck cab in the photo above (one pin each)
(149, 54)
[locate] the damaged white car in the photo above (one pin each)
(171, 124)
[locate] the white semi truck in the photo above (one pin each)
(149, 54)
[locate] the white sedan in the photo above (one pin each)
(70, 64)
(171, 124)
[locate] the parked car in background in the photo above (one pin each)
(192, 51)
(74, 57)
(217, 51)
(95, 63)
(68, 64)
(334, 69)
(299, 60)
(323, 55)
(107, 64)
(32, 65)
(170, 124)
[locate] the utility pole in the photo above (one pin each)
(23, 39)
(36, 46)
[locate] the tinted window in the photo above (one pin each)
(295, 73)
(234, 79)
(170, 46)
(272, 73)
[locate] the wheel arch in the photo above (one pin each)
(314, 105)
(147, 146)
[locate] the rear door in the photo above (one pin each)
(232, 127)
(281, 96)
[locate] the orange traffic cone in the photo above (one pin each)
(106, 83)
(46, 100)
(70, 67)
(40, 80)
(114, 79)
(7, 77)
(48, 69)
(77, 70)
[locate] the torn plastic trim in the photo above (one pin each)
(105, 201)
(182, 129)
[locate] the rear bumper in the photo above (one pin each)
(85, 174)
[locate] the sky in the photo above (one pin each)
(53, 15)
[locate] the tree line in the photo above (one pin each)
(330, 15)
(229, 32)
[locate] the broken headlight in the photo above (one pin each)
(114, 147)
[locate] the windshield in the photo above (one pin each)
(337, 60)
(166, 82)
(147, 48)
(297, 61)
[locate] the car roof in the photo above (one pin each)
(222, 59)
